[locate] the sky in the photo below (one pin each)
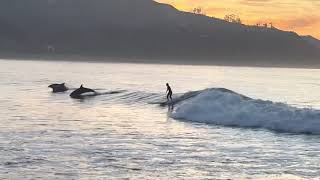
(301, 16)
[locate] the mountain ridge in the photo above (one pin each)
(312, 40)
(142, 29)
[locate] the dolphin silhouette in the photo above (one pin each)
(58, 87)
(77, 94)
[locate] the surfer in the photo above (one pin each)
(169, 92)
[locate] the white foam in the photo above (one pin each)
(219, 107)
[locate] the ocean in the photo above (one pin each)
(227, 122)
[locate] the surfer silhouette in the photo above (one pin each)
(169, 92)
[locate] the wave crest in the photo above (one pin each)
(225, 107)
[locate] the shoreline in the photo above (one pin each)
(145, 60)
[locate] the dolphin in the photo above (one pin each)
(58, 88)
(78, 93)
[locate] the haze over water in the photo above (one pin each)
(51, 136)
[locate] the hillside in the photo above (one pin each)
(313, 41)
(142, 29)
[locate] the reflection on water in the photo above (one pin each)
(47, 136)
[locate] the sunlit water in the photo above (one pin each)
(123, 136)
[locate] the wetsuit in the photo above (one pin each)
(169, 90)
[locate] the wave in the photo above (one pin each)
(177, 99)
(225, 107)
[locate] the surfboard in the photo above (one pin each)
(177, 99)
(165, 103)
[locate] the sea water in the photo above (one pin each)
(262, 124)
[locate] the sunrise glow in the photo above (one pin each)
(301, 16)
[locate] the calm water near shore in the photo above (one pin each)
(128, 136)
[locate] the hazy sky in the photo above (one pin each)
(301, 16)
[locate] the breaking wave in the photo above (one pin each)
(227, 108)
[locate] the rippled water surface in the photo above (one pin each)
(124, 136)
